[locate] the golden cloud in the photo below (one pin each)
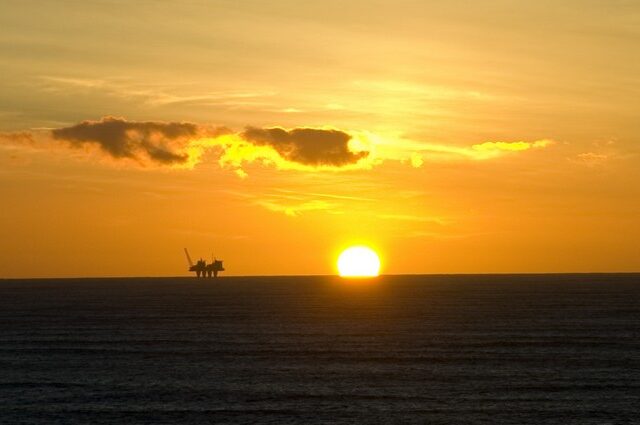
(294, 209)
(22, 138)
(488, 149)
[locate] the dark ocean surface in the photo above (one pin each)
(502, 349)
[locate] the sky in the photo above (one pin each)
(451, 137)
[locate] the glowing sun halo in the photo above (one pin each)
(358, 261)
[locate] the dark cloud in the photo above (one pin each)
(159, 142)
(171, 143)
(307, 146)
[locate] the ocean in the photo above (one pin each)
(465, 349)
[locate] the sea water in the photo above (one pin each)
(494, 349)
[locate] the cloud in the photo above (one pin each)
(143, 141)
(10, 146)
(294, 203)
(298, 195)
(155, 95)
(395, 147)
(308, 146)
(184, 145)
(592, 158)
(493, 148)
(416, 160)
(294, 209)
(21, 138)
(416, 218)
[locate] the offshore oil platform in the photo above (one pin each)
(203, 269)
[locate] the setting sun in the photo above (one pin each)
(358, 261)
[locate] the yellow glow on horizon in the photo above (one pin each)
(358, 261)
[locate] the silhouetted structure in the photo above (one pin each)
(203, 269)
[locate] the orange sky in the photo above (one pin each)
(494, 136)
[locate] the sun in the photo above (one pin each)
(358, 261)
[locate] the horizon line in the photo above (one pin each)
(327, 275)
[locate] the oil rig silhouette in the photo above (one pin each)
(203, 269)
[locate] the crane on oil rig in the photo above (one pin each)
(203, 269)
